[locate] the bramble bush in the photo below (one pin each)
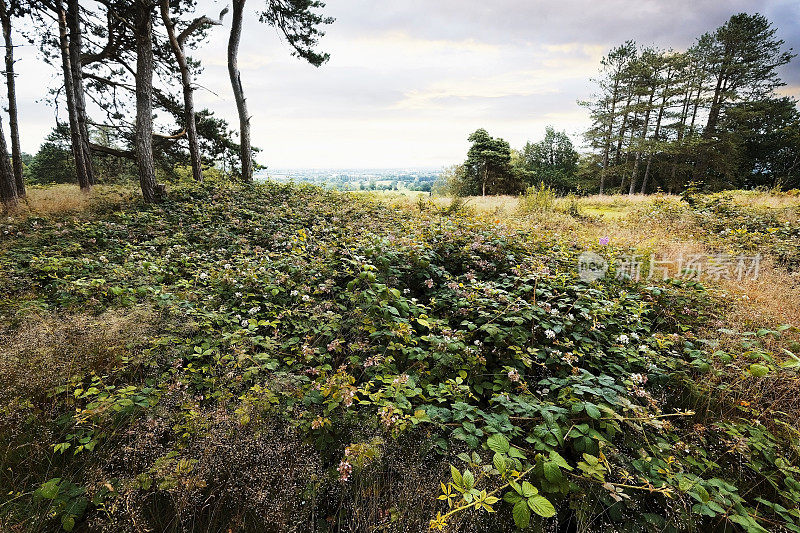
(311, 328)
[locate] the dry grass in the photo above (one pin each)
(764, 200)
(771, 299)
(59, 199)
(48, 349)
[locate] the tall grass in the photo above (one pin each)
(537, 199)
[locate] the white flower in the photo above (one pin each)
(203, 275)
(623, 339)
(550, 334)
(306, 297)
(294, 293)
(238, 294)
(245, 323)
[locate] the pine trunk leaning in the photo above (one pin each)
(176, 43)
(238, 91)
(145, 163)
(74, 128)
(76, 64)
(8, 188)
(16, 152)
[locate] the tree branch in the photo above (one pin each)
(198, 23)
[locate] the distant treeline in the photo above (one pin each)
(662, 119)
(493, 167)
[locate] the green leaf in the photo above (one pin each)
(700, 494)
(457, 480)
(517, 453)
(469, 479)
(592, 410)
(498, 443)
(758, 370)
(748, 523)
(61, 447)
(552, 472)
(529, 490)
(684, 484)
(560, 461)
(522, 516)
(499, 463)
(49, 489)
(541, 506)
(795, 362)
(67, 523)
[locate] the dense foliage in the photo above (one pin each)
(493, 167)
(553, 160)
(661, 118)
(318, 362)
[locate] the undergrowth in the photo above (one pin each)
(316, 362)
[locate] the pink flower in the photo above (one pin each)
(604, 240)
(334, 345)
(345, 469)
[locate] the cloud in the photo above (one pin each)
(408, 81)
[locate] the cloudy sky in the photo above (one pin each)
(408, 80)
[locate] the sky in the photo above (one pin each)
(409, 80)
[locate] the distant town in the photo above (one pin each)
(359, 179)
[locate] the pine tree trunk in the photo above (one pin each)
(622, 129)
(8, 188)
(74, 128)
(642, 139)
(607, 148)
(684, 116)
(16, 152)
(151, 191)
(646, 173)
(634, 174)
(75, 49)
(188, 93)
(716, 106)
(657, 131)
(238, 91)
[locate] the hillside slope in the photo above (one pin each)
(283, 358)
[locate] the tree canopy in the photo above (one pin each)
(663, 118)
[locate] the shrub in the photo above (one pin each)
(538, 199)
(332, 363)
